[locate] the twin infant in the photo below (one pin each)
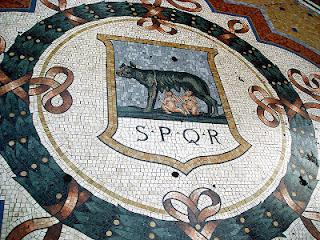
(188, 100)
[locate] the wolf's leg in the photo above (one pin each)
(212, 105)
(152, 97)
(209, 105)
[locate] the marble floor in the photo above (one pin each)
(164, 119)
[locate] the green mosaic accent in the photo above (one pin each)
(95, 217)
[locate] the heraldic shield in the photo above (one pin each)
(161, 112)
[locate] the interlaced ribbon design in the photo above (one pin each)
(195, 223)
(68, 13)
(232, 28)
(274, 106)
(197, 7)
(15, 86)
(155, 16)
(59, 211)
(306, 216)
(157, 21)
(42, 85)
(47, 82)
(314, 92)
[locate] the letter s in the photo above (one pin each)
(138, 128)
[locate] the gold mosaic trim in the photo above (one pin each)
(107, 135)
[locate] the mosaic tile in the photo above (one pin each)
(264, 18)
(1, 213)
(159, 120)
(17, 6)
(296, 20)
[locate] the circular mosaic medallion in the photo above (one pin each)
(186, 131)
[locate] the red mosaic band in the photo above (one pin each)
(68, 13)
(262, 28)
(297, 206)
(197, 7)
(60, 211)
(191, 222)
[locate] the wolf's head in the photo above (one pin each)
(126, 70)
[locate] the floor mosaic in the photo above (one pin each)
(1, 212)
(17, 6)
(162, 119)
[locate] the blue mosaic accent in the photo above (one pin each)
(31, 8)
(1, 213)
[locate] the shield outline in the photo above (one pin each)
(107, 135)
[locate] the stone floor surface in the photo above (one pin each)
(164, 119)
